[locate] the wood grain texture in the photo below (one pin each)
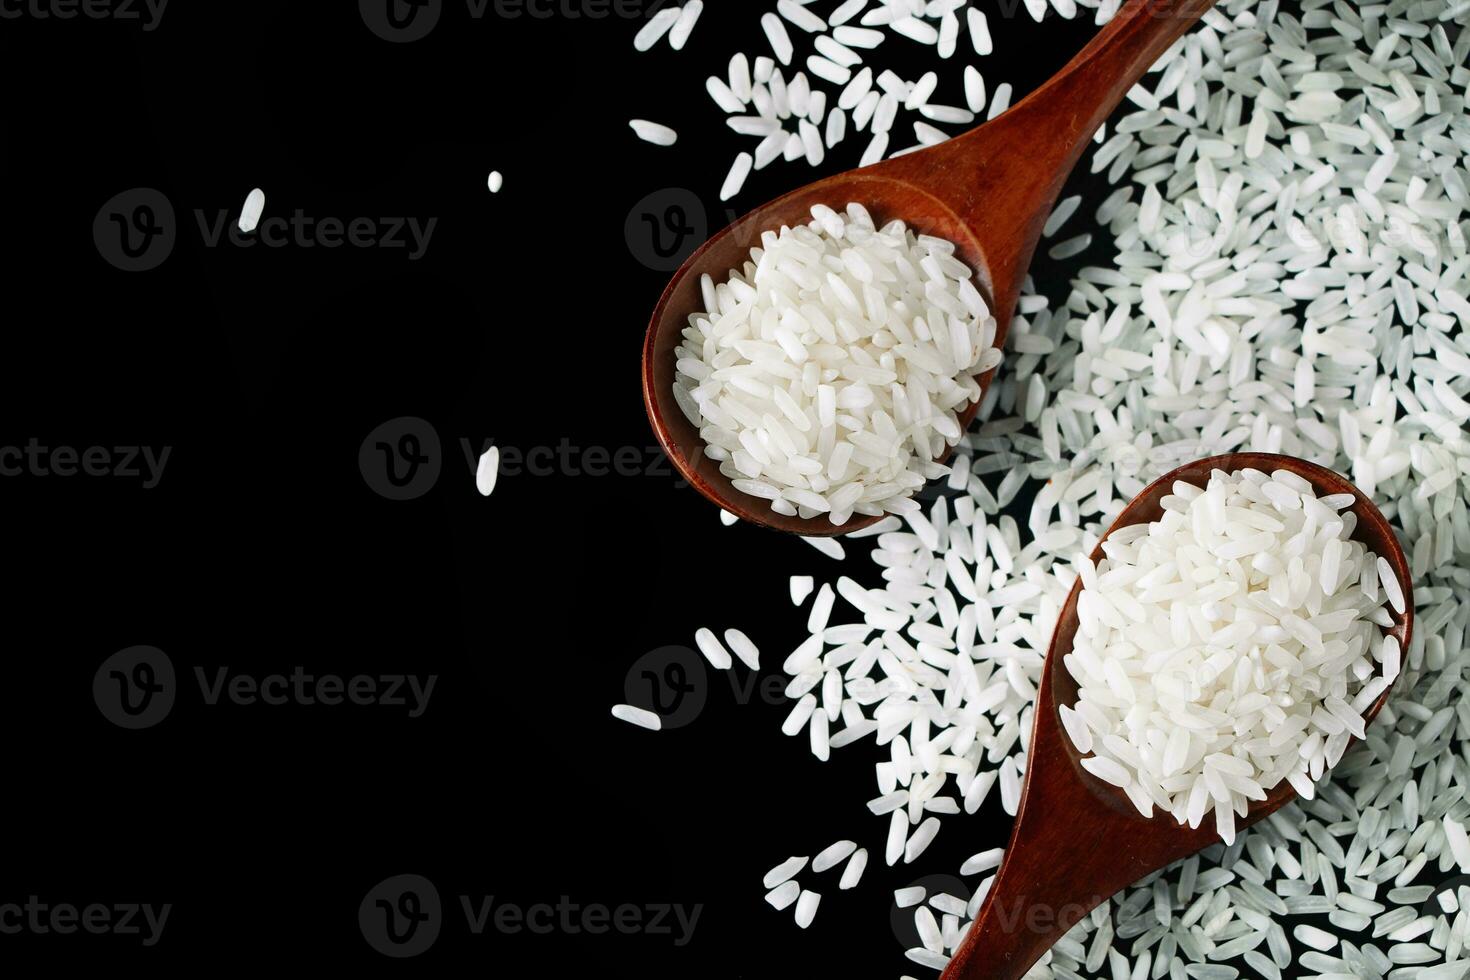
(1078, 840)
(989, 191)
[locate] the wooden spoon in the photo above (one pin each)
(989, 191)
(1077, 839)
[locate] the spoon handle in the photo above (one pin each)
(1071, 849)
(1079, 98)
(1054, 125)
(1002, 179)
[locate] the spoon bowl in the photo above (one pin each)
(988, 191)
(728, 250)
(1077, 839)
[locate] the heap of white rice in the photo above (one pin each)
(1227, 646)
(827, 375)
(1287, 273)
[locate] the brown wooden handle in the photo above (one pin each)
(1071, 849)
(1080, 97)
(1031, 905)
(1002, 179)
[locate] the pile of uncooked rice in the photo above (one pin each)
(1228, 645)
(1288, 274)
(827, 374)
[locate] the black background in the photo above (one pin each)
(264, 549)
